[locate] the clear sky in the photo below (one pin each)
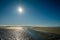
(35, 12)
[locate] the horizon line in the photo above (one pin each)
(32, 25)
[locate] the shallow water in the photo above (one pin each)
(26, 34)
(14, 34)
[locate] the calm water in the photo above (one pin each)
(26, 34)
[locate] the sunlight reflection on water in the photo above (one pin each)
(14, 34)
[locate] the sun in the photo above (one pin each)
(20, 10)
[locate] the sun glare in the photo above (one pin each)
(20, 10)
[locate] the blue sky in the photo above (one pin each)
(36, 12)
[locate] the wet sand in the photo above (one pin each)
(24, 33)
